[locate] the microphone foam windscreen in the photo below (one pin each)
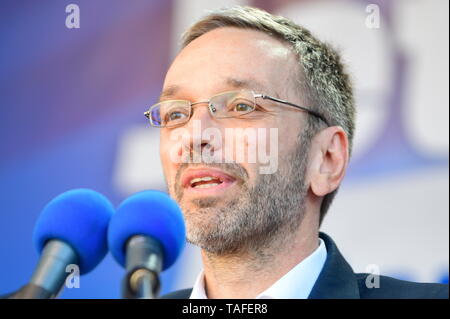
(149, 213)
(80, 218)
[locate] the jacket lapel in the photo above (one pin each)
(337, 279)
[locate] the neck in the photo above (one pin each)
(246, 274)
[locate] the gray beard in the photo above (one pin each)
(262, 216)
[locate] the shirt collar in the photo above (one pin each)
(296, 284)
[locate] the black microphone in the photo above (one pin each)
(146, 235)
(71, 230)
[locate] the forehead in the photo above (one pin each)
(229, 57)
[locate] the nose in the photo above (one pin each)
(203, 130)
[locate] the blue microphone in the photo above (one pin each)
(146, 235)
(72, 229)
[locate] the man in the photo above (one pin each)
(258, 227)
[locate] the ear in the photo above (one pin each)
(328, 161)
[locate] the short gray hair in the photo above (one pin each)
(322, 79)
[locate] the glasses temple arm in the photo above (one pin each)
(294, 105)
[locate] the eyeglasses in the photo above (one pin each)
(233, 104)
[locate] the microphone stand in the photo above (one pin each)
(48, 278)
(143, 265)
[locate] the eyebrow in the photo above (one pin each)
(251, 84)
(169, 91)
(236, 83)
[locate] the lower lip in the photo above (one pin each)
(213, 190)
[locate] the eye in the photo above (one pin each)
(243, 108)
(176, 116)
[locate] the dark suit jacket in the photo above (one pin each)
(338, 281)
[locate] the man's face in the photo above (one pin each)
(229, 205)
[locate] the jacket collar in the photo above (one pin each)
(337, 279)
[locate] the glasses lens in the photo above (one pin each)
(154, 116)
(170, 113)
(232, 104)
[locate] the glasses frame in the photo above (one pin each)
(255, 96)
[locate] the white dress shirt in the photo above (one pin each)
(296, 284)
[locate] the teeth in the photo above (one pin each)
(206, 185)
(202, 179)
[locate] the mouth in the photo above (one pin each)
(206, 181)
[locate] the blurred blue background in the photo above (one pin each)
(72, 103)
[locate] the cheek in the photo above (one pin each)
(167, 151)
(288, 132)
(163, 146)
